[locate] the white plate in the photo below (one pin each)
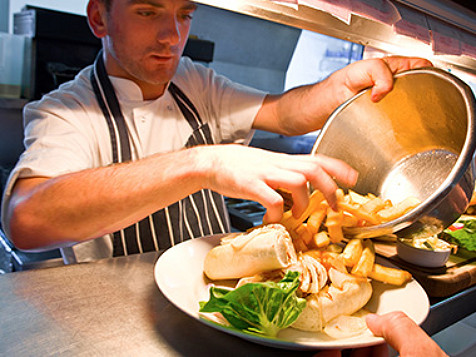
(179, 275)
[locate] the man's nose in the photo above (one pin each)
(169, 31)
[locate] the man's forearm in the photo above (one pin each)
(90, 203)
(301, 109)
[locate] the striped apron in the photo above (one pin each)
(200, 214)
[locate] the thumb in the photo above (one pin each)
(380, 88)
(403, 334)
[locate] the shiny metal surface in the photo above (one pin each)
(110, 307)
(359, 30)
(113, 307)
(418, 141)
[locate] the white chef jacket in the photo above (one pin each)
(66, 131)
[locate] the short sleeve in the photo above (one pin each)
(229, 107)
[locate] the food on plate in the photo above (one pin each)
(333, 282)
(263, 249)
(263, 308)
(364, 265)
(389, 275)
(346, 326)
(344, 296)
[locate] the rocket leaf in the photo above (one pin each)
(464, 237)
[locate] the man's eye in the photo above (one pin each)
(145, 13)
(187, 16)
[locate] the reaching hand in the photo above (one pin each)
(255, 174)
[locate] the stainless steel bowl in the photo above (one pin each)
(418, 141)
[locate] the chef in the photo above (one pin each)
(135, 153)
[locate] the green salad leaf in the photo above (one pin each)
(263, 308)
(464, 237)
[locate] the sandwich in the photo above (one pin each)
(262, 250)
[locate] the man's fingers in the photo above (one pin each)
(403, 334)
(338, 170)
(383, 77)
(271, 200)
(329, 171)
(398, 64)
(395, 328)
(294, 182)
(320, 171)
(381, 88)
(294, 173)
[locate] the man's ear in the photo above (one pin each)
(97, 18)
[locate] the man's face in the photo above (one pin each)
(145, 38)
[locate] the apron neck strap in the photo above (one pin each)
(189, 111)
(111, 109)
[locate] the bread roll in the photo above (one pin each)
(263, 249)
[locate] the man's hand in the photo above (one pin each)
(400, 332)
(378, 74)
(305, 109)
(403, 335)
(255, 174)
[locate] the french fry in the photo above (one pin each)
(315, 219)
(358, 212)
(334, 248)
(352, 252)
(374, 205)
(399, 209)
(299, 245)
(289, 221)
(320, 240)
(316, 254)
(354, 210)
(333, 260)
(304, 233)
(350, 220)
(336, 263)
(389, 275)
(315, 200)
(366, 261)
(334, 225)
(357, 198)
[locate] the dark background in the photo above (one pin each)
(468, 4)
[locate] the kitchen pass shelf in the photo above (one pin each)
(458, 274)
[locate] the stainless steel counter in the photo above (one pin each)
(113, 307)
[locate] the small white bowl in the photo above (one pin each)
(422, 257)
